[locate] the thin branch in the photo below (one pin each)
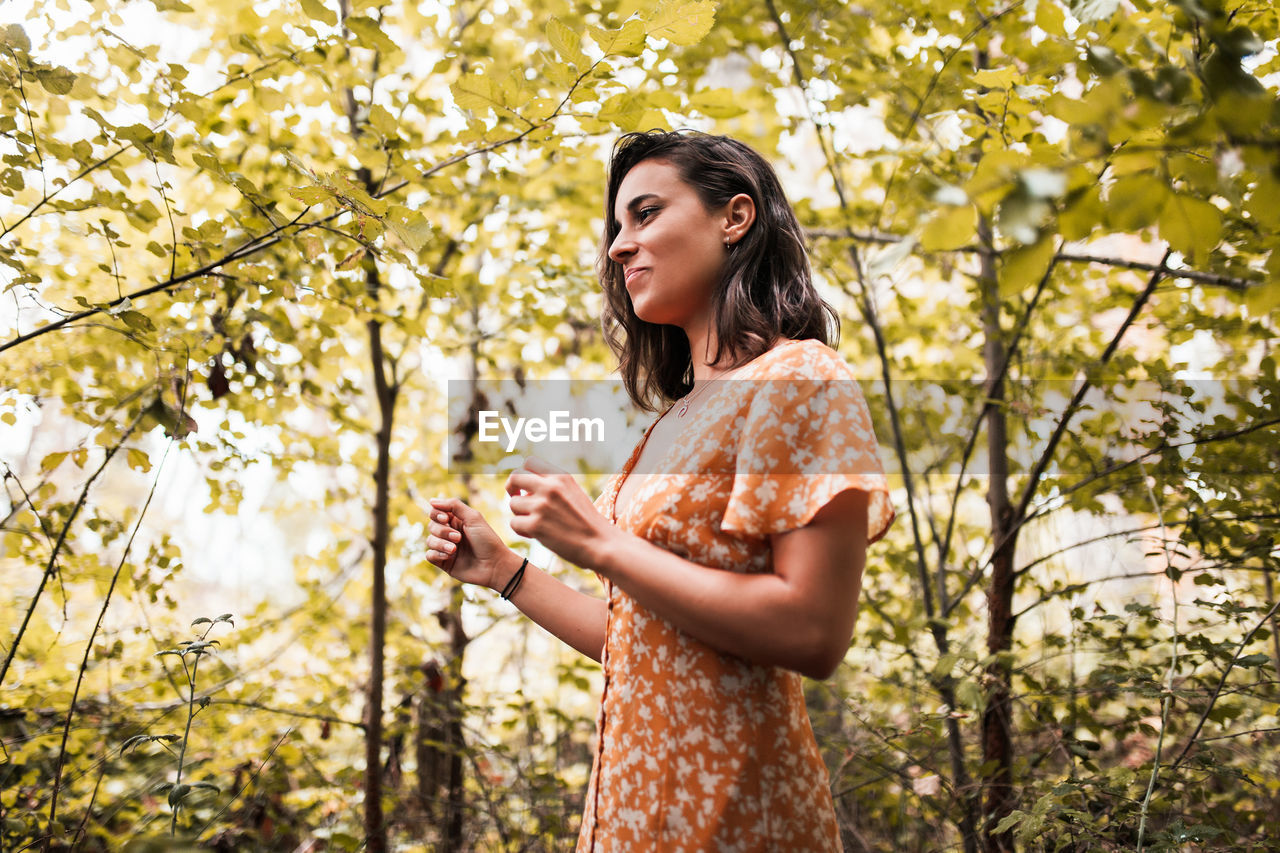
(173, 229)
(1024, 322)
(1217, 691)
(88, 650)
(1037, 471)
(1217, 279)
(828, 150)
(933, 83)
(52, 565)
(1166, 700)
(288, 712)
(31, 123)
(247, 783)
(51, 196)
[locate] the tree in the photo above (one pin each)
(1028, 214)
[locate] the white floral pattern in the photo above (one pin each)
(700, 750)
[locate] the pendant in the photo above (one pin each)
(684, 407)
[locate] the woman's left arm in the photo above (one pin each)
(799, 617)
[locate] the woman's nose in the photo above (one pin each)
(621, 248)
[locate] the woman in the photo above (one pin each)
(732, 543)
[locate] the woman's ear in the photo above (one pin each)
(740, 215)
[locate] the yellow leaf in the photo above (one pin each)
(996, 78)
(475, 93)
(1025, 266)
(352, 260)
(138, 460)
(950, 229)
(627, 40)
(312, 247)
(53, 460)
(624, 109)
(317, 11)
(410, 226)
(1192, 226)
(716, 103)
(1049, 17)
(1135, 201)
(566, 42)
(682, 22)
(311, 195)
(369, 34)
(1262, 298)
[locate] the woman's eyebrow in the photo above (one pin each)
(633, 206)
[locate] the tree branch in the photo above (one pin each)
(51, 567)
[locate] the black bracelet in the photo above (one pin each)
(510, 589)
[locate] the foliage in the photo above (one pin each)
(260, 236)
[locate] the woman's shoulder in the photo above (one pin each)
(800, 359)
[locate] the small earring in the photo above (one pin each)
(728, 245)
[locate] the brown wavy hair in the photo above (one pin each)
(766, 291)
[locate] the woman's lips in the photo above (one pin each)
(633, 272)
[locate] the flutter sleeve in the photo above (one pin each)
(802, 440)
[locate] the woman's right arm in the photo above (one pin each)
(463, 544)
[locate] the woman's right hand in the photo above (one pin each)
(463, 544)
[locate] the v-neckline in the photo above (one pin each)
(631, 464)
(644, 441)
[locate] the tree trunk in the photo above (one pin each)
(997, 729)
(374, 825)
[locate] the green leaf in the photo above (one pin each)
(1191, 226)
(1254, 660)
(316, 10)
(682, 22)
(1103, 61)
(203, 620)
(951, 228)
(178, 793)
(1241, 42)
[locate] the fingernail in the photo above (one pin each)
(450, 547)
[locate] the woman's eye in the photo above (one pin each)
(646, 212)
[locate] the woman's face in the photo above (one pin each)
(670, 247)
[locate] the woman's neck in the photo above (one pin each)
(702, 348)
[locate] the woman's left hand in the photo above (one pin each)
(550, 506)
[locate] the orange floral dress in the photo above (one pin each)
(699, 750)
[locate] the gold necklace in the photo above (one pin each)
(692, 395)
(689, 398)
